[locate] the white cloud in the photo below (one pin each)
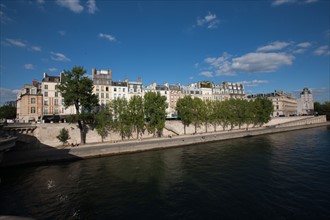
(282, 2)
(36, 48)
(310, 1)
(301, 47)
(299, 51)
(73, 5)
(261, 62)
(59, 57)
(248, 63)
(322, 50)
(206, 74)
(29, 66)
(4, 19)
(108, 36)
(8, 95)
(61, 32)
(52, 69)
(91, 5)
(327, 33)
(209, 20)
(253, 82)
(277, 45)
(15, 42)
(304, 45)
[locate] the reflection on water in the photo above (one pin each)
(275, 176)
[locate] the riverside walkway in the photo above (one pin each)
(52, 154)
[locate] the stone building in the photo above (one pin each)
(284, 103)
(29, 103)
(102, 81)
(53, 102)
(305, 103)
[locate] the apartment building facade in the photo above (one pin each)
(284, 103)
(29, 104)
(305, 102)
(49, 102)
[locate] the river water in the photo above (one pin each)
(278, 176)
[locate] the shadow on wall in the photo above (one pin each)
(29, 150)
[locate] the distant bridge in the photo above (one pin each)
(19, 128)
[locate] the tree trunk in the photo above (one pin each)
(184, 129)
(82, 132)
(195, 128)
(206, 124)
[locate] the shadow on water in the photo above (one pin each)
(29, 150)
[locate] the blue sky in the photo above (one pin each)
(267, 44)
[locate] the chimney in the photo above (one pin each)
(35, 83)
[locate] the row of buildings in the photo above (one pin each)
(42, 100)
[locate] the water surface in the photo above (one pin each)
(278, 176)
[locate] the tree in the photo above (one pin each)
(77, 90)
(197, 112)
(155, 110)
(63, 136)
(322, 109)
(263, 109)
(223, 114)
(7, 112)
(122, 117)
(136, 110)
(103, 123)
(207, 113)
(184, 109)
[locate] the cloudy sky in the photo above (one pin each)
(267, 45)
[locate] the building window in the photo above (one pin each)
(46, 86)
(45, 102)
(33, 100)
(56, 101)
(46, 111)
(56, 94)
(46, 94)
(123, 89)
(33, 110)
(62, 101)
(56, 111)
(107, 89)
(102, 95)
(107, 95)
(115, 89)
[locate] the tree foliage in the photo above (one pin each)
(103, 123)
(77, 90)
(184, 110)
(7, 112)
(155, 110)
(136, 110)
(63, 136)
(232, 112)
(122, 118)
(322, 109)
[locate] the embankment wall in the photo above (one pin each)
(46, 133)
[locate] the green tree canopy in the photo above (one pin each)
(103, 122)
(77, 90)
(136, 109)
(155, 110)
(122, 118)
(7, 112)
(184, 110)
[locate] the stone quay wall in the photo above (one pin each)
(46, 132)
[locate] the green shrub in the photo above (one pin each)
(63, 136)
